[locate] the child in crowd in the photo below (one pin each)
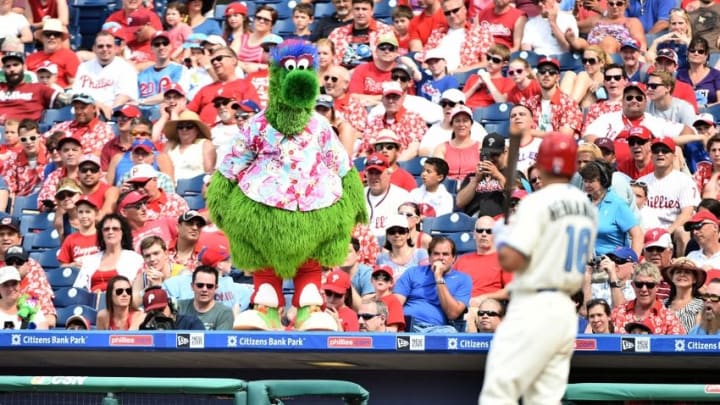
(489, 86)
(433, 192)
(302, 17)
(47, 75)
(401, 17)
(382, 279)
(12, 138)
(177, 29)
(434, 84)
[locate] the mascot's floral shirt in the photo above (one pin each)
(295, 173)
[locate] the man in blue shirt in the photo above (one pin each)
(435, 294)
(710, 316)
(653, 14)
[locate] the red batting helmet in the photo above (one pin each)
(557, 154)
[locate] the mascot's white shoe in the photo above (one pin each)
(264, 316)
(310, 316)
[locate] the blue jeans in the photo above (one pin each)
(419, 327)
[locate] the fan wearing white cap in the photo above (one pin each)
(18, 311)
(410, 126)
(66, 62)
(404, 73)
(442, 131)
(435, 79)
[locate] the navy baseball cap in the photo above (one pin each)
(624, 254)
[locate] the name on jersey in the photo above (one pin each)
(15, 95)
(660, 201)
(88, 82)
(559, 209)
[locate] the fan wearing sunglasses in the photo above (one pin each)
(399, 251)
(382, 280)
(489, 86)
(119, 312)
(646, 307)
(33, 281)
(563, 114)
(213, 314)
(338, 300)
(24, 169)
(704, 79)
(525, 83)
(434, 84)
(487, 318)
(613, 82)
(709, 323)
(442, 131)
(613, 29)
(586, 87)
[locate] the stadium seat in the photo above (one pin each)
(714, 59)
(453, 223)
(219, 11)
(190, 187)
(617, 59)
(63, 314)
(47, 259)
(413, 166)
(45, 240)
(284, 27)
(570, 61)
(54, 115)
(359, 163)
(71, 296)
(25, 204)
(464, 242)
(61, 278)
(451, 185)
(382, 9)
(284, 10)
(530, 56)
(462, 77)
(100, 302)
(27, 241)
(323, 10)
(502, 128)
(493, 113)
(195, 202)
(36, 222)
(426, 224)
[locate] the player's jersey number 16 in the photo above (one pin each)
(578, 248)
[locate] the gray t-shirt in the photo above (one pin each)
(219, 317)
(680, 111)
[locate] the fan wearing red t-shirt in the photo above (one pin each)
(83, 242)
(506, 23)
(489, 86)
(19, 99)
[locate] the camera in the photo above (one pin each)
(598, 275)
(485, 155)
(156, 320)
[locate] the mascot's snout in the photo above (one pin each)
(296, 87)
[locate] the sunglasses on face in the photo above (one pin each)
(111, 229)
(610, 78)
(64, 194)
(534, 180)
(551, 72)
(491, 314)
(484, 230)
(219, 58)
(654, 86)
(185, 127)
(698, 51)
(158, 44)
(402, 78)
(367, 317)
(329, 78)
(637, 141)
(494, 59)
(386, 48)
(89, 169)
(448, 13)
(31, 138)
(641, 284)
(140, 185)
(446, 103)
(137, 206)
(655, 249)
(242, 115)
(332, 294)
(379, 147)
(589, 61)
(201, 286)
(10, 284)
(120, 291)
(661, 151)
(263, 19)
(51, 34)
(382, 277)
(515, 72)
(15, 262)
(618, 260)
(710, 297)
(696, 226)
(268, 47)
(616, 3)
(397, 231)
(638, 98)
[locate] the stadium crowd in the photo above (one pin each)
(107, 153)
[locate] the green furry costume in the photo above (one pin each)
(263, 236)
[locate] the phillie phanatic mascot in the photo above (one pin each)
(287, 196)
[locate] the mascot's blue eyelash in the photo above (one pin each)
(294, 48)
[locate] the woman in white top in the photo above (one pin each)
(189, 146)
(13, 24)
(115, 257)
(14, 305)
(400, 252)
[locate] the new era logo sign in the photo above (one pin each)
(183, 341)
(627, 344)
(402, 343)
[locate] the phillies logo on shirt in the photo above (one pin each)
(88, 82)
(15, 95)
(497, 30)
(661, 201)
(372, 86)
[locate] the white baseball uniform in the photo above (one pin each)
(555, 229)
(609, 125)
(380, 207)
(666, 197)
(105, 83)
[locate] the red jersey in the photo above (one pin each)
(501, 26)
(521, 96)
(485, 271)
(121, 18)
(368, 79)
(40, 11)
(26, 100)
(401, 178)
(685, 92)
(202, 102)
(66, 60)
(628, 167)
(482, 96)
(75, 246)
(164, 227)
(422, 25)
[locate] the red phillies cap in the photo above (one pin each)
(657, 237)
(634, 85)
(377, 161)
(700, 217)
(154, 299)
(87, 199)
(131, 198)
(337, 281)
(383, 269)
(69, 137)
(235, 8)
(129, 111)
(160, 34)
(639, 132)
(139, 18)
(212, 255)
(546, 60)
(665, 141)
(427, 210)
(176, 88)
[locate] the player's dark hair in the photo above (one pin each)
(440, 166)
(208, 270)
(436, 240)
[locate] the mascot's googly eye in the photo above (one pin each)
(288, 63)
(304, 62)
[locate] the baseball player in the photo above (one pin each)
(530, 353)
